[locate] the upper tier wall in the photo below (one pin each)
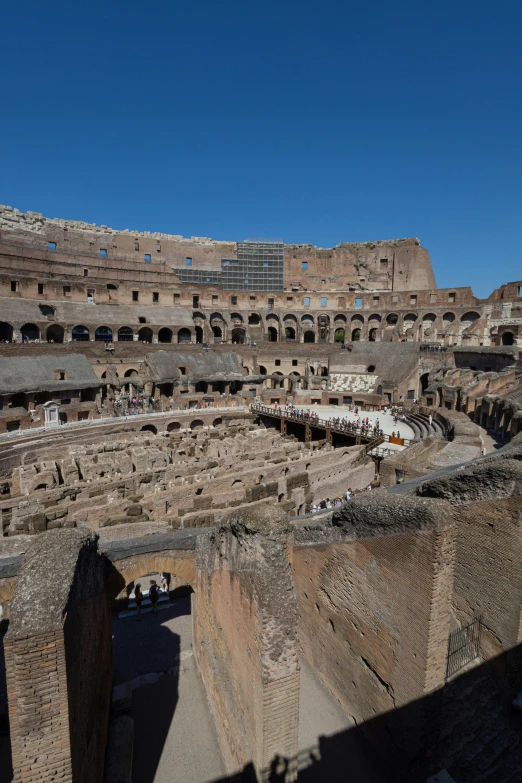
(397, 264)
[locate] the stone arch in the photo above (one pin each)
(199, 334)
(339, 335)
(448, 318)
(47, 309)
(254, 319)
(201, 386)
(30, 332)
(470, 317)
(173, 426)
(307, 320)
(6, 332)
(55, 333)
(309, 337)
(145, 334)
(272, 334)
(217, 331)
(428, 320)
(184, 336)
(290, 333)
(125, 334)
(131, 373)
(508, 338)
(391, 320)
(217, 422)
(357, 319)
(103, 334)
(80, 334)
(340, 319)
(236, 317)
(197, 424)
(149, 428)
(127, 570)
(423, 382)
(165, 335)
(373, 334)
(238, 335)
(262, 370)
(356, 335)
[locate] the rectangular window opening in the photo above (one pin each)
(233, 300)
(358, 303)
(135, 296)
(176, 298)
(155, 297)
(324, 301)
(147, 258)
(14, 285)
(51, 246)
(304, 265)
(103, 253)
(188, 262)
(306, 301)
(195, 300)
(41, 288)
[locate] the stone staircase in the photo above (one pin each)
(421, 426)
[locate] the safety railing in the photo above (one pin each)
(54, 426)
(326, 424)
(463, 647)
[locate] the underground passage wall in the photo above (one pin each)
(245, 621)
(374, 593)
(58, 653)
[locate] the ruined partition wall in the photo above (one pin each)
(245, 622)
(59, 661)
(374, 594)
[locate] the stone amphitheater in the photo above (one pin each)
(316, 453)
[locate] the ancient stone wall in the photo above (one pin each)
(58, 661)
(245, 625)
(374, 610)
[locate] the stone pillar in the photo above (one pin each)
(329, 436)
(308, 433)
(58, 654)
(283, 426)
(245, 633)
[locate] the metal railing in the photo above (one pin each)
(463, 647)
(325, 424)
(52, 427)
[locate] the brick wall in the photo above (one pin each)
(374, 624)
(245, 640)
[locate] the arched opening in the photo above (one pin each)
(103, 334)
(184, 336)
(356, 335)
(470, 317)
(339, 335)
(424, 381)
(262, 370)
(217, 332)
(324, 372)
(201, 386)
(391, 319)
(372, 335)
(428, 320)
(6, 332)
(309, 337)
(508, 338)
(197, 424)
(125, 334)
(272, 334)
(30, 332)
(80, 334)
(150, 428)
(145, 335)
(55, 334)
(174, 426)
(131, 373)
(238, 335)
(370, 368)
(448, 319)
(254, 319)
(289, 333)
(199, 334)
(165, 335)
(236, 318)
(47, 310)
(217, 422)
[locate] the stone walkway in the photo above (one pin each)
(175, 736)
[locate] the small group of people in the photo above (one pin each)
(332, 503)
(154, 594)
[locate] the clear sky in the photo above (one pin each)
(317, 122)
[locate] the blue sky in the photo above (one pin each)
(318, 122)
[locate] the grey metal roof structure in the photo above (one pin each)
(39, 373)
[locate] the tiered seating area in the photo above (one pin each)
(353, 382)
